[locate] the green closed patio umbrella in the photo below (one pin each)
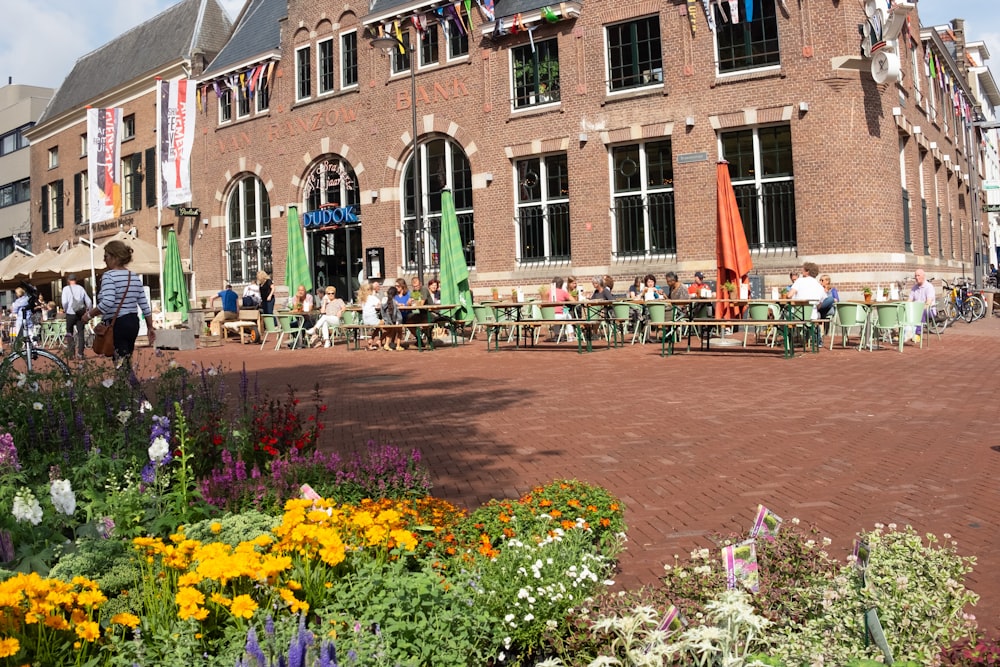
(454, 272)
(175, 294)
(296, 267)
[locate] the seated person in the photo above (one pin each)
(807, 288)
(831, 298)
(251, 296)
(391, 315)
(434, 291)
(418, 292)
(675, 289)
(650, 292)
(370, 312)
(601, 291)
(331, 309)
(635, 289)
(302, 302)
(699, 284)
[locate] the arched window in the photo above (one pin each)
(332, 182)
(443, 165)
(248, 230)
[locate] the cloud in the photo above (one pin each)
(61, 31)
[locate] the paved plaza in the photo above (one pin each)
(692, 443)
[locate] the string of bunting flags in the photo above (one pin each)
(248, 81)
(937, 73)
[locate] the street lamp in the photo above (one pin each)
(387, 41)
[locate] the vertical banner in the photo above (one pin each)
(176, 132)
(104, 146)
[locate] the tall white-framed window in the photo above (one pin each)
(535, 73)
(745, 41)
(242, 102)
(262, 93)
(634, 53)
(542, 194)
(226, 104)
(401, 56)
(760, 166)
(248, 230)
(458, 40)
(81, 198)
(443, 165)
(921, 175)
(332, 182)
(325, 72)
(303, 73)
(642, 181)
(349, 59)
(131, 182)
(53, 154)
(429, 46)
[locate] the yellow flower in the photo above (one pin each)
(88, 630)
(56, 622)
(216, 527)
(128, 620)
(9, 646)
(243, 606)
(189, 597)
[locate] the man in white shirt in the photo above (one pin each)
(807, 288)
(75, 302)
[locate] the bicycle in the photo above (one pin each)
(960, 302)
(28, 363)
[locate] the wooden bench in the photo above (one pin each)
(786, 327)
(583, 328)
(423, 332)
(246, 321)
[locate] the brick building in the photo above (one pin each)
(122, 73)
(581, 138)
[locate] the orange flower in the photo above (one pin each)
(9, 646)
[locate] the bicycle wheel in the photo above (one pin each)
(967, 311)
(46, 373)
(951, 312)
(978, 306)
(937, 324)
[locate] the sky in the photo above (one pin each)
(45, 37)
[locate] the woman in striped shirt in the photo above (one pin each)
(119, 285)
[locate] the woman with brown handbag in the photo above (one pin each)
(120, 295)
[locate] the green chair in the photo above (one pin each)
(657, 311)
(291, 326)
(760, 311)
(549, 313)
(911, 316)
(887, 321)
(271, 326)
(848, 316)
(482, 314)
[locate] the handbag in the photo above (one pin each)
(104, 334)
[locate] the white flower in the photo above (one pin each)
(212, 372)
(38, 406)
(145, 407)
(158, 449)
(21, 379)
(529, 617)
(63, 498)
(173, 363)
(26, 507)
(107, 382)
(123, 416)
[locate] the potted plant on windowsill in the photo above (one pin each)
(547, 73)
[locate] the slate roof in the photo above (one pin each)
(176, 33)
(257, 32)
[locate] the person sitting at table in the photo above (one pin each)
(418, 291)
(301, 301)
(391, 314)
(650, 292)
(923, 291)
(635, 289)
(832, 296)
(699, 284)
(601, 290)
(403, 298)
(609, 282)
(675, 289)
(807, 288)
(370, 307)
(331, 309)
(434, 291)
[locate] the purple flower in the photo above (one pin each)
(8, 452)
(253, 648)
(148, 473)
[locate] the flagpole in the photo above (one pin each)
(159, 194)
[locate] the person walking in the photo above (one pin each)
(75, 302)
(266, 292)
(120, 298)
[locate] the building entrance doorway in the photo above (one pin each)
(337, 259)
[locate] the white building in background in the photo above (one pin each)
(987, 94)
(20, 107)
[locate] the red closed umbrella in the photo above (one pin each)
(732, 251)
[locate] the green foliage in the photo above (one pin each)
(915, 586)
(232, 528)
(410, 616)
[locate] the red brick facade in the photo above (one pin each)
(846, 132)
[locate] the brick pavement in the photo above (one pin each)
(690, 443)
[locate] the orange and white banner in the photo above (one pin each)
(104, 146)
(176, 133)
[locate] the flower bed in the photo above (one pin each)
(147, 522)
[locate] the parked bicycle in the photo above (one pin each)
(27, 362)
(961, 302)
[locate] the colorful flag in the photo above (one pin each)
(104, 147)
(176, 138)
